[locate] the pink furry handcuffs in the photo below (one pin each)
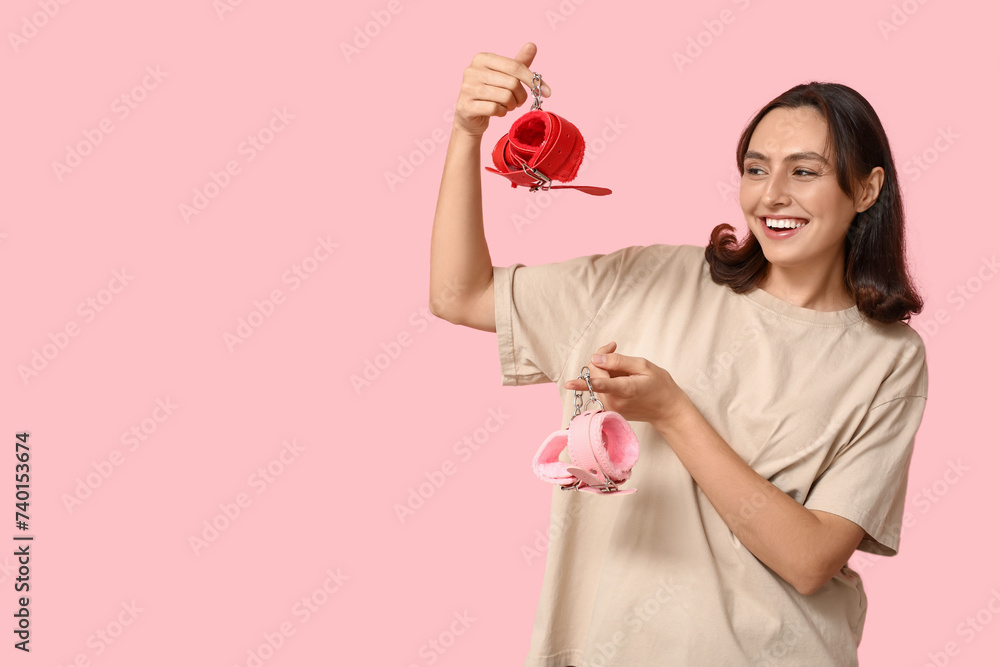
(539, 148)
(602, 450)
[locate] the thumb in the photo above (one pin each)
(526, 54)
(597, 371)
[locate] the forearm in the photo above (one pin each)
(779, 531)
(461, 267)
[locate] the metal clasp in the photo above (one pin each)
(578, 397)
(607, 487)
(543, 180)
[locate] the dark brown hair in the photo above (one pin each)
(875, 271)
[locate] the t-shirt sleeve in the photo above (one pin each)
(543, 311)
(866, 481)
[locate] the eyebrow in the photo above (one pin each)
(802, 155)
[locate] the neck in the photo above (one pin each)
(809, 286)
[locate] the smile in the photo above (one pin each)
(782, 228)
(784, 223)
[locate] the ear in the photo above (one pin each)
(869, 189)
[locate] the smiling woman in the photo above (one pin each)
(772, 383)
(818, 155)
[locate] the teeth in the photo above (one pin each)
(783, 224)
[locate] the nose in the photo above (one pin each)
(775, 190)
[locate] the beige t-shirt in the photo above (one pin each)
(824, 405)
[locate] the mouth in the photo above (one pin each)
(783, 227)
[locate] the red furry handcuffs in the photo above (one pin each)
(602, 450)
(541, 147)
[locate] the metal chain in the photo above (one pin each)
(578, 397)
(536, 90)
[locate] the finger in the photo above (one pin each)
(494, 86)
(526, 56)
(621, 363)
(608, 386)
(577, 384)
(597, 371)
(518, 66)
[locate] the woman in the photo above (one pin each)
(773, 384)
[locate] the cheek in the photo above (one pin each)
(830, 201)
(745, 196)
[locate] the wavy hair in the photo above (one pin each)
(875, 268)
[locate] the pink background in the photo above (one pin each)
(326, 515)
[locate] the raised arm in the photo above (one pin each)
(461, 277)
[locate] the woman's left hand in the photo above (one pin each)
(634, 387)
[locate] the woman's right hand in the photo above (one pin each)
(493, 85)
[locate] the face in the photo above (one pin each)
(789, 175)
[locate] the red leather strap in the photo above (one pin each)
(520, 178)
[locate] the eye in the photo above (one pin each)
(752, 170)
(805, 171)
